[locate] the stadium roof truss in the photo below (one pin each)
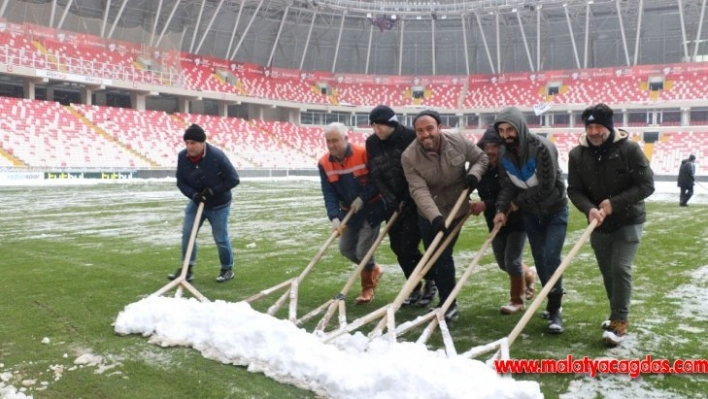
(447, 37)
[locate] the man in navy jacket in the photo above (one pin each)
(205, 174)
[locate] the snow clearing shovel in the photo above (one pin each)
(181, 281)
(389, 310)
(337, 303)
(507, 341)
(437, 317)
(294, 283)
(376, 332)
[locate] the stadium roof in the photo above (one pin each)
(394, 37)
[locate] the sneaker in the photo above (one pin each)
(452, 314)
(615, 333)
(605, 325)
(555, 323)
(177, 273)
(225, 275)
(545, 315)
(428, 293)
(413, 298)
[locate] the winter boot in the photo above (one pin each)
(529, 282)
(369, 280)
(553, 307)
(614, 335)
(178, 272)
(516, 303)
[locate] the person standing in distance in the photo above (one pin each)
(384, 149)
(533, 183)
(608, 179)
(344, 178)
(434, 165)
(205, 175)
(686, 179)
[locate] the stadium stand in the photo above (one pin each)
(46, 134)
(153, 134)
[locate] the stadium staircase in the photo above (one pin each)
(77, 113)
(13, 160)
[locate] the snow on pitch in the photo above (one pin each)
(234, 333)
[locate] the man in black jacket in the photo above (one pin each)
(384, 149)
(686, 179)
(205, 174)
(608, 179)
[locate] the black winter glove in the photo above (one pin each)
(206, 193)
(198, 197)
(439, 225)
(391, 205)
(471, 182)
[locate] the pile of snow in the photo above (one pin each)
(233, 333)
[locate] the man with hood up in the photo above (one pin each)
(508, 244)
(533, 184)
(686, 179)
(608, 179)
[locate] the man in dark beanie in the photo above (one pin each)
(205, 175)
(608, 179)
(384, 149)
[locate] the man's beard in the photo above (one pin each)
(513, 145)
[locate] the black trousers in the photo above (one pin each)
(405, 240)
(686, 194)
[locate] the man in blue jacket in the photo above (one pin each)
(205, 174)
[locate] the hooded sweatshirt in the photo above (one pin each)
(532, 177)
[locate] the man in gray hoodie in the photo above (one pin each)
(534, 185)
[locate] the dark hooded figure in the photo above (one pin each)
(686, 179)
(508, 244)
(533, 184)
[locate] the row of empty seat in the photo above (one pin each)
(49, 135)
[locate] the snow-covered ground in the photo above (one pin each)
(350, 368)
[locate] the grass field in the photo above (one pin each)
(73, 256)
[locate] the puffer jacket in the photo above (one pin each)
(385, 169)
(532, 179)
(622, 175)
(437, 180)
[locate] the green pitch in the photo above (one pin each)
(73, 256)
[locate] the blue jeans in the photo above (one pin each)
(546, 235)
(219, 220)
